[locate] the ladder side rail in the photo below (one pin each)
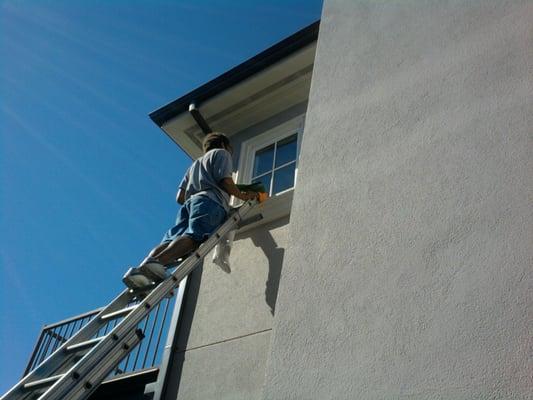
(126, 345)
(60, 357)
(96, 355)
(175, 321)
(85, 387)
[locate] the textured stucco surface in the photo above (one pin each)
(223, 337)
(409, 260)
(232, 370)
(240, 302)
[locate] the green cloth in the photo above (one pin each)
(254, 187)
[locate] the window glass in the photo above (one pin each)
(264, 159)
(284, 178)
(274, 165)
(265, 180)
(286, 150)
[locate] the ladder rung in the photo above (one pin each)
(43, 382)
(84, 345)
(119, 313)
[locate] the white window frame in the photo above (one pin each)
(251, 146)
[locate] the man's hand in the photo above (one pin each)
(229, 187)
(249, 196)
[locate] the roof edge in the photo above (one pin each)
(238, 74)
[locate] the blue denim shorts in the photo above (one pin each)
(198, 218)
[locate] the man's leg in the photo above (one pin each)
(173, 234)
(179, 247)
(205, 216)
(155, 251)
(136, 278)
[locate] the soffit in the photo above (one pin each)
(274, 89)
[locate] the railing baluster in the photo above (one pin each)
(156, 315)
(55, 335)
(35, 355)
(161, 331)
(70, 329)
(106, 327)
(57, 338)
(43, 355)
(139, 346)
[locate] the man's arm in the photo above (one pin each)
(222, 169)
(180, 196)
(229, 187)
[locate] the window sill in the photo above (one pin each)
(272, 209)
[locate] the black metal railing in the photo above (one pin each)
(146, 354)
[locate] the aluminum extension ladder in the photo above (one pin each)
(76, 369)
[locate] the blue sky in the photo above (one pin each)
(87, 180)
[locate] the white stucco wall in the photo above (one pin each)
(409, 260)
(224, 332)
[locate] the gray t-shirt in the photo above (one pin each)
(205, 173)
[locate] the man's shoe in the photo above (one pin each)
(135, 279)
(154, 271)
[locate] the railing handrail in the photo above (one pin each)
(147, 353)
(71, 319)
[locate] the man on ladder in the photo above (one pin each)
(76, 368)
(204, 194)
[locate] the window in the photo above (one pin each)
(272, 158)
(275, 165)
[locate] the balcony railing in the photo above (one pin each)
(147, 354)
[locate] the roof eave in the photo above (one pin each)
(237, 74)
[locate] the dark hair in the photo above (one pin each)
(215, 140)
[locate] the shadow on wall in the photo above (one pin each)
(263, 238)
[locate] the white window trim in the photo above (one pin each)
(251, 146)
(280, 204)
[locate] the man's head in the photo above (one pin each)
(216, 140)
